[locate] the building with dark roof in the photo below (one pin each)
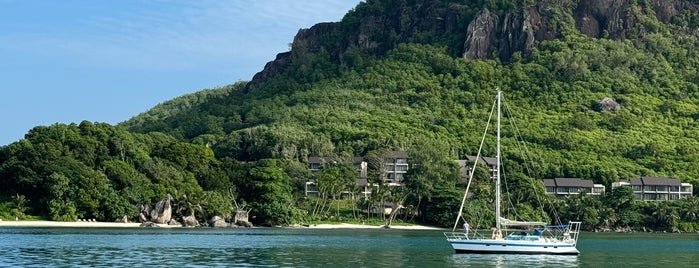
(657, 188)
(395, 165)
(561, 187)
(466, 165)
(315, 164)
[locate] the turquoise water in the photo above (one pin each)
(275, 247)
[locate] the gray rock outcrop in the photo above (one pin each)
(160, 214)
(124, 219)
(144, 215)
(149, 224)
(486, 34)
(190, 221)
(608, 105)
(480, 36)
(217, 221)
(243, 224)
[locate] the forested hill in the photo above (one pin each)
(395, 72)
(601, 89)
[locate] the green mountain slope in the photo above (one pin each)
(338, 98)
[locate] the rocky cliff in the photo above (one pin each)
(376, 29)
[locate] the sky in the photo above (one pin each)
(107, 61)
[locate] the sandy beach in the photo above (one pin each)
(79, 224)
(366, 226)
(75, 224)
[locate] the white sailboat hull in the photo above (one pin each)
(501, 246)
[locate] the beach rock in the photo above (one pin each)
(124, 219)
(148, 224)
(174, 222)
(217, 221)
(241, 215)
(144, 215)
(190, 221)
(162, 212)
(243, 223)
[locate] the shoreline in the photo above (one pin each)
(365, 226)
(78, 224)
(89, 224)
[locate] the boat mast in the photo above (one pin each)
(497, 169)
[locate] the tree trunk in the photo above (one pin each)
(394, 212)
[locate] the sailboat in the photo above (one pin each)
(560, 239)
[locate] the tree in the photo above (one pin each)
(622, 202)
(61, 205)
(190, 205)
(273, 203)
(431, 167)
(20, 202)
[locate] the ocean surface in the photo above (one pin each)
(284, 247)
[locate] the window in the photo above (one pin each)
(637, 188)
(401, 161)
(399, 177)
(311, 187)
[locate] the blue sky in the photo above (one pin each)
(106, 61)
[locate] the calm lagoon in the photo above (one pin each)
(287, 247)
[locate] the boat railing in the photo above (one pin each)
(574, 230)
(463, 236)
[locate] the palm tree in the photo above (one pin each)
(189, 204)
(20, 204)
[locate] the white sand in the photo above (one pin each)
(364, 226)
(73, 224)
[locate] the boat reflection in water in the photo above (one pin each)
(516, 260)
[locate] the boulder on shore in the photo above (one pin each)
(124, 219)
(162, 212)
(243, 224)
(149, 224)
(217, 221)
(190, 221)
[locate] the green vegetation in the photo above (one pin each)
(412, 93)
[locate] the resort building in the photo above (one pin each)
(466, 165)
(395, 167)
(315, 164)
(657, 188)
(562, 187)
(396, 164)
